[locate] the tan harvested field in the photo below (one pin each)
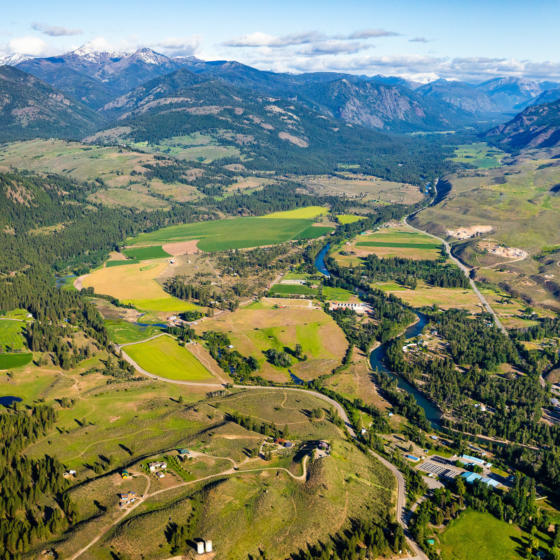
(137, 284)
(424, 295)
(260, 327)
(128, 282)
(181, 248)
(364, 188)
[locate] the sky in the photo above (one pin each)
(421, 40)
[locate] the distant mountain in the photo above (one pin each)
(513, 94)
(536, 127)
(30, 108)
(100, 79)
(375, 102)
(269, 132)
(94, 77)
(460, 94)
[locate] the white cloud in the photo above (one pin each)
(185, 46)
(419, 40)
(55, 30)
(259, 39)
(33, 46)
(370, 34)
(333, 48)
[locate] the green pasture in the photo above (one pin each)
(397, 244)
(15, 360)
(344, 219)
(164, 357)
(234, 233)
(479, 155)
(480, 535)
(11, 334)
(145, 253)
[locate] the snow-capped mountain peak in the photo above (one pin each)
(97, 50)
(13, 59)
(149, 56)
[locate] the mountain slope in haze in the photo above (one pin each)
(95, 78)
(30, 108)
(269, 132)
(537, 126)
(460, 94)
(513, 94)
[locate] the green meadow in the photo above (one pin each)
(480, 535)
(15, 360)
(235, 233)
(164, 357)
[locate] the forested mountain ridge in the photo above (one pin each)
(30, 108)
(536, 127)
(271, 133)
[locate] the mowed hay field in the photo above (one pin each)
(257, 328)
(136, 284)
(239, 233)
(164, 357)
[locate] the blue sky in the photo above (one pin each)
(421, 39)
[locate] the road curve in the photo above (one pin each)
(401, 489)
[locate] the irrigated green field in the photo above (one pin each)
(145, 253)
(480, 535)
(164, 357)
(292, 289)
(236, 233)
(8, 361)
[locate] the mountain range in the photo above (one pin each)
(98, 87)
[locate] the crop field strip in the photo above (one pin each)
(240, 233)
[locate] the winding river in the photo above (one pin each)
(377, 356)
